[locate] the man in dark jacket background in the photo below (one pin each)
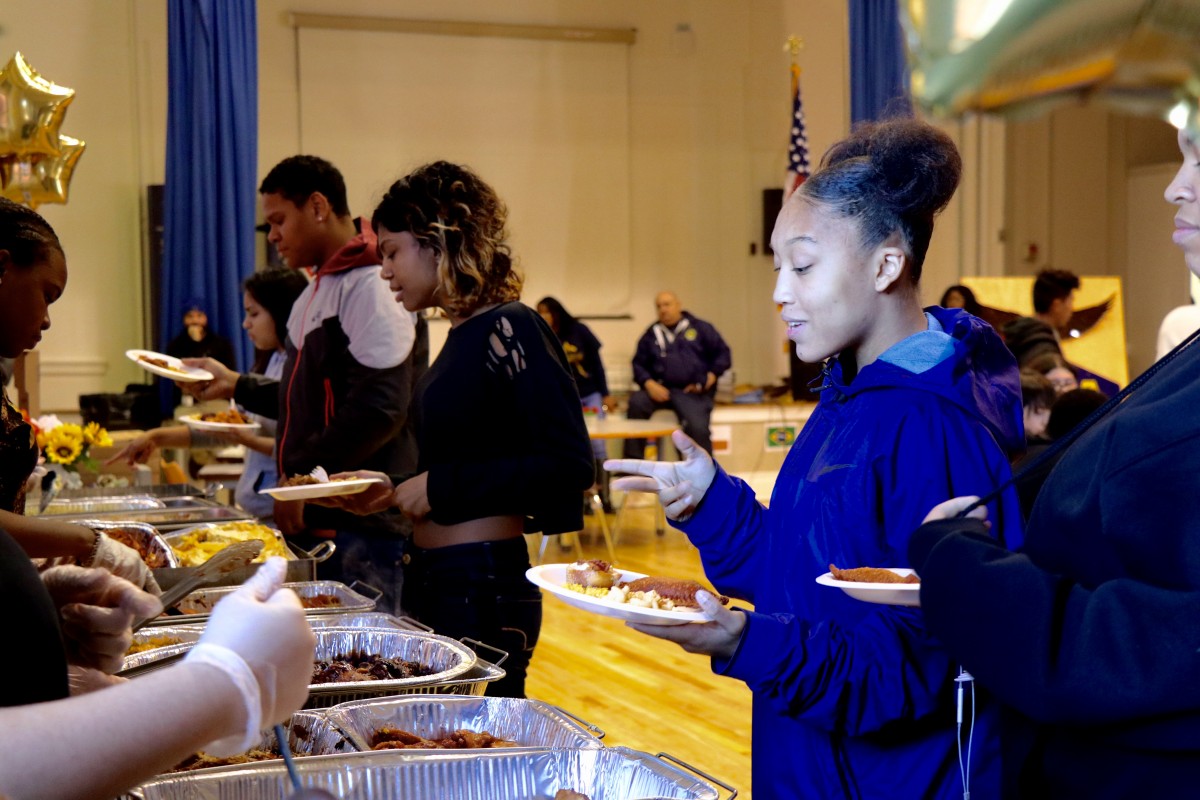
(677, 364)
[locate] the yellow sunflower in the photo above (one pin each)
(94, 434)
(63, 447)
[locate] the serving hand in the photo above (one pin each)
(718, 638)
(680, 485)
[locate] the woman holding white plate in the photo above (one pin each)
(853, 699)
(267, 297)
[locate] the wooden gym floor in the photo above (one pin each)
(646, 694)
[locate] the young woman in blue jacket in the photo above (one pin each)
(854, 700)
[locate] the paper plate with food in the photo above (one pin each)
(229, 420)
(887, 586)
(600, 588)
(167, 366)
(317, 484)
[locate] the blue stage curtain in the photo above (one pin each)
(212, 151)
(878, 71)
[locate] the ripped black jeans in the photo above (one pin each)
(478, 590)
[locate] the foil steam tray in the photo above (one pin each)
(449, 658)
(100, 505)
(602, 774)
(364, 619)
(197, 606)
(182, 639)
(158, 554)
(529, 723)
(175, 538)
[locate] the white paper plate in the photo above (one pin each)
(331, 489)
(888, 594)
(553, 578)
(177, 372)
(204, 425)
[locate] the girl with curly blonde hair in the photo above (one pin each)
(503, 447)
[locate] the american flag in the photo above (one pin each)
(797, 166)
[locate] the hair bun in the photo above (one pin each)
(918, 165)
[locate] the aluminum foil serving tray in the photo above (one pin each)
(197, 606)
(529, 723)
(602, 774)
(159, 552)
(166, 513)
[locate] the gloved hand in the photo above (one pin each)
(680, 485)
(123, 562)
(82, 680)
(259, 638)
(97, 610)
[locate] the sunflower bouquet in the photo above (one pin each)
(68, 444)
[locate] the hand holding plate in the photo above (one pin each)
(718, 638)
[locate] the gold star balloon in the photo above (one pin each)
(36, 160)
(31, 110)
(34, 180)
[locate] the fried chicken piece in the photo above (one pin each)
(679, 591)
(595, 574)
(567, 794)
(870, 575)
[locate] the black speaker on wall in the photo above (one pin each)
(772, 201)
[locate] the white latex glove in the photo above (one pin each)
(82, 680)
(680, 485)
(97, 610)
(123, 562)
(258, 636)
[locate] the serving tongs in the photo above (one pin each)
(235, 556)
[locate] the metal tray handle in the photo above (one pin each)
(320, 553)
(592, 729)
(415, 624)
(668, 757)
(475, 644)
(365, 589)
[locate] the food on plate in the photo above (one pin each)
(679, 591)
(298, 480)
(203, 543)
(656, 593)
(308, 480)
(161, 363)
(594, 574)
(230, 416)
(870, 575)
(389, 738)
(151, 643)
(153, 558)
(202, 760)
(567, 794)
(356, 666)
(321, 601)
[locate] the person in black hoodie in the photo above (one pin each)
(353, 358)
(677, 364)
(1091, 634)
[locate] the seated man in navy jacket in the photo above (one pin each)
(677, 364)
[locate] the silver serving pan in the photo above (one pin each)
(197, 606)
(602, 774)
(184, 638)
(175, 539)
(450, 658)
(309, 734)
(529, 723)
(364, 619)
(163, 513)
(302, 568)
(159, 554)
(100, 505)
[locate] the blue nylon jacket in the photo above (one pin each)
(851, 699)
